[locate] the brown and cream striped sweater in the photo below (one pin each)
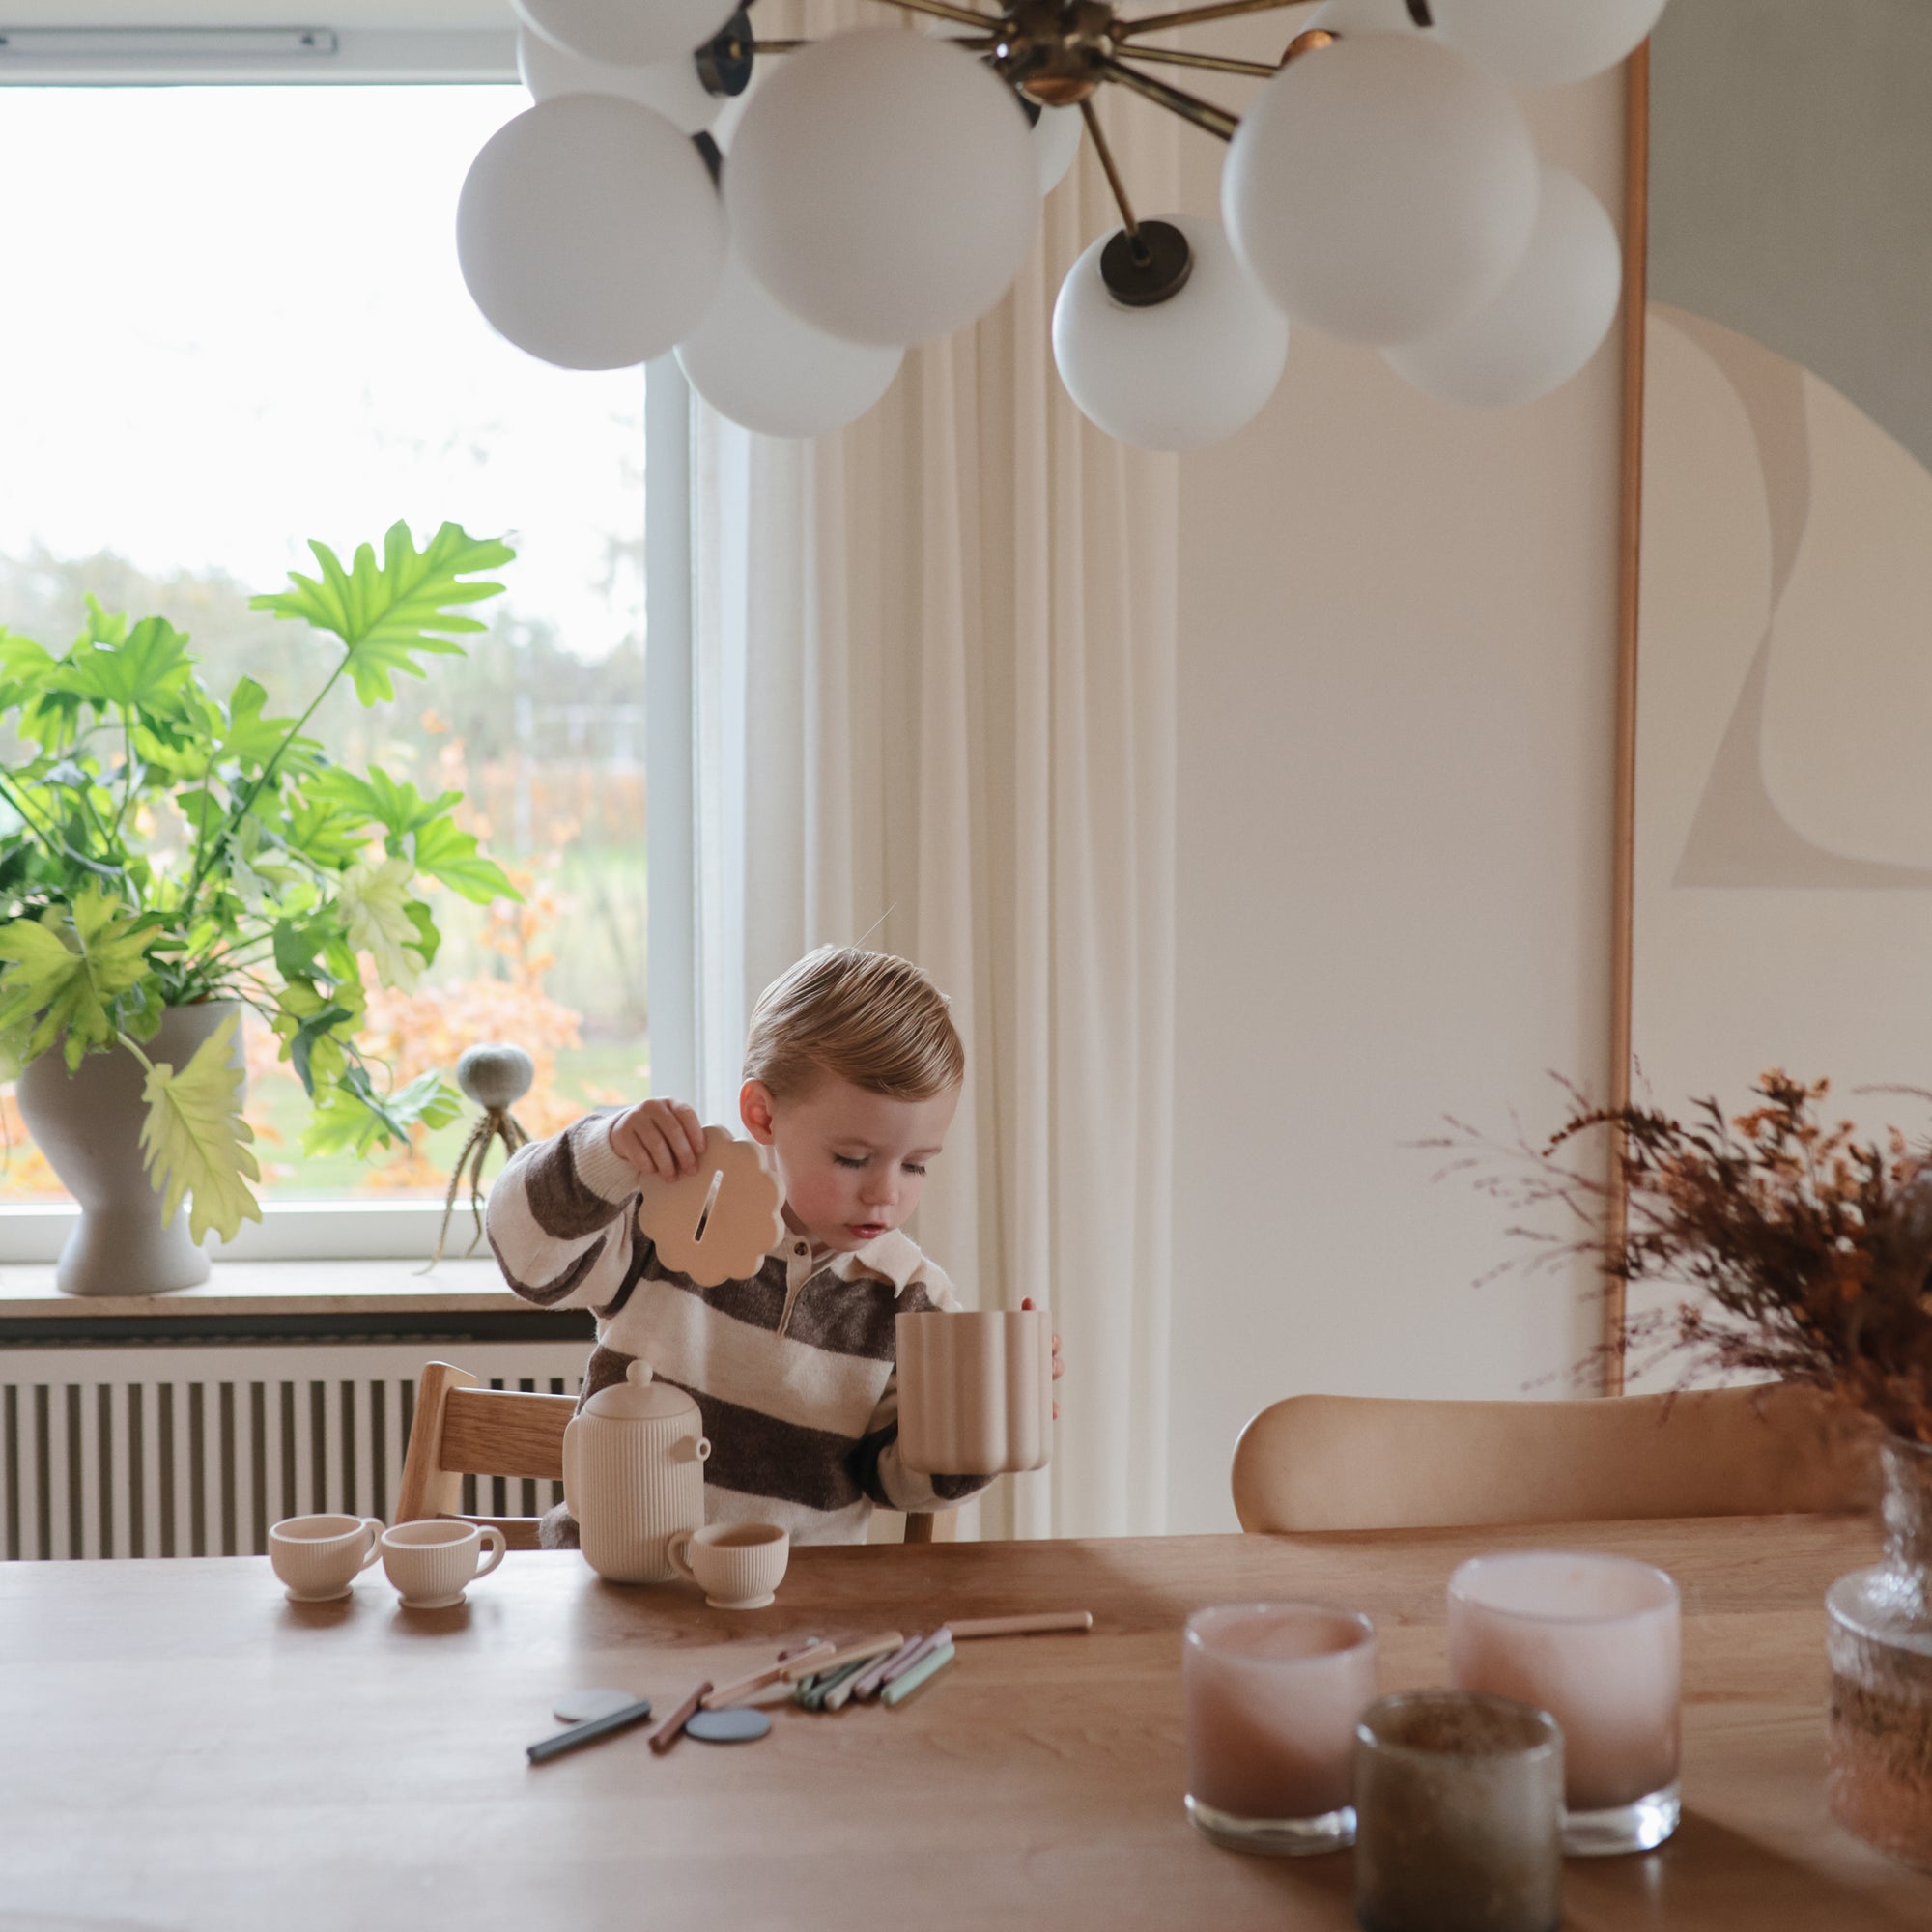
(793, 1371)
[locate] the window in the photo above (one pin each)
(241, 324)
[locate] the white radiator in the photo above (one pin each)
(195, 1450)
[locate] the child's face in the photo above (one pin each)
(851, 1162)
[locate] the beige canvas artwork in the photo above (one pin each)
(1783, 893)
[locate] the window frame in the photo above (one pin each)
(33, 1233)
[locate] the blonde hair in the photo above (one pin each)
(866, 1017)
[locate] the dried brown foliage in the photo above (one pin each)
(1807, 1250)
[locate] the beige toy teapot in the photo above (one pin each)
(634, 1475)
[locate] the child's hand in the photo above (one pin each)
(1059, 1367)
(658, 1138)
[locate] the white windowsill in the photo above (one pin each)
(278, 1288)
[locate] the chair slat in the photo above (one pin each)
(504, 1432)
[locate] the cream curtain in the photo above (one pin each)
(935, 684)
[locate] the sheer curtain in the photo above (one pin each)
(934, 700)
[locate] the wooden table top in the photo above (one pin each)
(187, 1749)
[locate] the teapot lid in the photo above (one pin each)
(640, 1397)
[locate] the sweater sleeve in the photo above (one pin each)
(882, 1474)
(561, 1217)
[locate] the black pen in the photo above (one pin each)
(589, 1733)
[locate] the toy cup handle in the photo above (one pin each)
(493, 1541)
(675, 1547)
(375, 1529)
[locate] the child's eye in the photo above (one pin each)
(915, 1167)
(847, 1160)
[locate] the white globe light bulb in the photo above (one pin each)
(1546, 321)
(1055, 142)
(627, 32)
(589, 232)
(1380, 188)
(1541, 42)
(761, 366)
(881, 186)
(1179, 375)
(671, 87)
(1363, 16)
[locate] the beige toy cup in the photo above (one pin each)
(737, 1565)
(431, 1563)
(976, 1391)
(318, 1557)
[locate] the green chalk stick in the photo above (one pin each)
(811, 1692)
(903, 1688)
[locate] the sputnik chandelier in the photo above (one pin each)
(878, 189)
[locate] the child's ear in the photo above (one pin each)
(755, 1109)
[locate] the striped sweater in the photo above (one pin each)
(794, 1370)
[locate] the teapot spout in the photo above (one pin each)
(692, 1448)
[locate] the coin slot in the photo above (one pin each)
(710, 1201)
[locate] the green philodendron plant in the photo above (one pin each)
(285, 867)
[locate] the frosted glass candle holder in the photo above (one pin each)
(1272, 1694)
(1594, 1640)
(1459, 1798)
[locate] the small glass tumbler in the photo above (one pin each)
(1595, 1641)
(1458, 1807)
(1272, 1693)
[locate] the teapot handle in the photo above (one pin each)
(676, 1548)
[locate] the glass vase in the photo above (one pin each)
(1879, 1749)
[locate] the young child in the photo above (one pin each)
(852, 1073)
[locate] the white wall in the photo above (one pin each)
(1397, 704)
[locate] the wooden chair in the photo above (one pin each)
(1346, 1463)
(461, 1428)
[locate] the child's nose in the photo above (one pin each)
(878, 1190)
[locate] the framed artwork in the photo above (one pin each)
(1774, 876)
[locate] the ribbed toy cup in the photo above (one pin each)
(737, 1565)
(1594, 1640)
(320, 1556)
(976, 1391)
(432, 1563)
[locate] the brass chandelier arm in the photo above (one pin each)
(1216, 63)
(1204, 114)
(773, 47)
(1188, 17)
(1112, 174)
(943, 10)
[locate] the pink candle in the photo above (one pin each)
(1594, 1640)
(1272, 1695)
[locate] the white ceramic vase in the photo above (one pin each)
(88, 1124)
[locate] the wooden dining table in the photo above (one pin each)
(185, 1749)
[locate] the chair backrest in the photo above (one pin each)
(461, 1428)
(1342, 1463)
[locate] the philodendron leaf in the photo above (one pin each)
(143, 670)
(447, 853)
(67, 969)
(386, 614)
(352, 1118)
(375, 905)
(194, 1139)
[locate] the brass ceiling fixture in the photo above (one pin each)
(1059, 53)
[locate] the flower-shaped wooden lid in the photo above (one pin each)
(719, 1224)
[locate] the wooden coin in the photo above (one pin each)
(580, 1707)
(735, 1726)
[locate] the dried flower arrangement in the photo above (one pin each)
(1809, 1250)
